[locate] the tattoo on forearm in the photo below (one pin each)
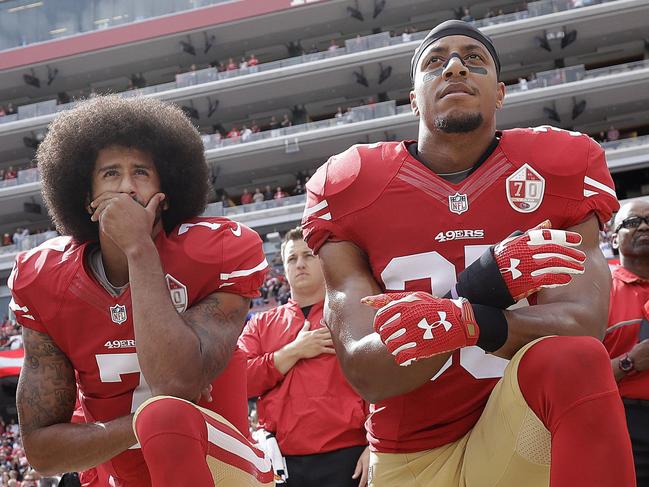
(217, 329)
(46, 388)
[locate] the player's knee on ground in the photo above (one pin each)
(169, 415)
(558, 372)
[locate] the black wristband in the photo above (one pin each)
(482, 283)
(493, 327)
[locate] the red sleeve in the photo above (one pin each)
(598, 189)
(21, 305)
(244, 263)
(320, 221)
(260, 369)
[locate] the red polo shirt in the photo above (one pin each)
(311, 409)
(629, 305)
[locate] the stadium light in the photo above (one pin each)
(211, 106)
(379, 6)
(209, 42)
(51, 75)
(34, 140)
(188, 47)
(190, 111)
(355, 12)
(385, 73)
(360, 78)
(542, 42)
(568, 38)
(31, 79)
(552, 114)
(578, 107)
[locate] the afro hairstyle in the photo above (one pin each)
(66, 158)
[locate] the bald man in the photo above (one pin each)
(627, 337)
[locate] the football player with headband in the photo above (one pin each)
(422, 261)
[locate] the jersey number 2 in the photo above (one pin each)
(442, 275)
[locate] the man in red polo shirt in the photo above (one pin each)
(304, 398)
(627, 338)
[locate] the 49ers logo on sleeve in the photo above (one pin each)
(525, 189)
(178, 293)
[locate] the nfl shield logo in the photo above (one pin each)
(458, 203)
(178, 293)
(525, 189)
(118, 314)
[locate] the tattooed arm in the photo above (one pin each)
(45, 400)
(180, 354)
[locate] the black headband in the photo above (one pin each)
(453, 28)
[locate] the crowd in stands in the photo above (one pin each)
(14, 469)
(260, 195)
(11, 172)
(21, 233)
(8, 109)
(10, 335)
(248, 62)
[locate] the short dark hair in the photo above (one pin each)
(292, 234)
(66, 158)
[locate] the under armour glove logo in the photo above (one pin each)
(542, 257)
(513, 263)
(424, 325)
(401, 317)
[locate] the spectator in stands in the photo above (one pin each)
(226, 201)
(627, 338)
(246, 197)
(522, 83)
(304, 400)
(273, 124)
(233, 133)
(612, 134)
(601, 137)
(2, 111)
(299, 189)
(245, 133)
(279, 193)
(17, 237)
(268, 193)
(254, 127)
(406, 36)
(11, 173)
(232, 65)
(62, 98)
(466, 15)
(6, 239)
(339, 116)
(2, 174)
(10, 110)
(286, 122)
(243, 64)
(333, 47)
(252, 63)
(258, 197)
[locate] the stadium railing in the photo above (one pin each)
(363, 113)
(365, 43)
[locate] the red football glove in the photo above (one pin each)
(417, 325)
(539, 258)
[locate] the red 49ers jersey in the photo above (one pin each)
(418, 231)
(54, 293)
